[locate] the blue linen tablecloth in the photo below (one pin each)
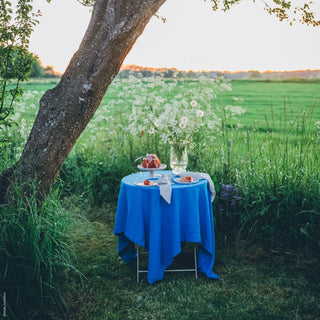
(146, 219)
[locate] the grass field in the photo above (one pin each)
(272, 158)
(258, 98)
(272, 98)
(255, 284)
(267, 245)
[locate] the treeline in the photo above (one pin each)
(146, 72)
(38, 71)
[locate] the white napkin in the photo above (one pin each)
(164, 183)
(199, 175)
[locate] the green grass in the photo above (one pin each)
(35, 256)
(273, 160)
(267, 245)
(259, 98)
(254, 283)
(255, 96)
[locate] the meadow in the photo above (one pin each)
(267, 240)
(257, 97)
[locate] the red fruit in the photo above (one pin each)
(147, 182)
(151, 161)
(186, 179)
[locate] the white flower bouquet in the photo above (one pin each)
(177, 115)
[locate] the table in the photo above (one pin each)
(146, 219)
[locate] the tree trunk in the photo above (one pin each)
(65, 110)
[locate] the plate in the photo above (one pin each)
(141, 184)
(178, 180)
(162, 167)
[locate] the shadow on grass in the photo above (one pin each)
(254, 283)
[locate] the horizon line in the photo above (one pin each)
(128, 66)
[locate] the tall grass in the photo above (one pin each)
(275, 169)
(94, 177)
(277, 176)
(269, 155)
(35, 257)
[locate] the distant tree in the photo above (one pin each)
(37, 70)
(254, 74)
(49, 72)
(168, 73)
(147, 73)
(66, 109)
(124, 74)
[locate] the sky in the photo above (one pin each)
(192, 38)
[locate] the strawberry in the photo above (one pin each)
(147, 182)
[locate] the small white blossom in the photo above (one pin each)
(184, 120)
(200, 113)
(182, 125)
(226, 86)
(235, 110)
(193, 103)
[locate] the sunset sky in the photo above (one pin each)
(193, 38)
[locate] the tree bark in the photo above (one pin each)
(65, 110)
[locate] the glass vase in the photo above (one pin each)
(178, 157)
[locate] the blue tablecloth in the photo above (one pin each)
(145, 218)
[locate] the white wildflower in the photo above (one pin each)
(226, 86)
(200, 113)
(182, 125)
(184, 120)
(193, 103)
(235, 110)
